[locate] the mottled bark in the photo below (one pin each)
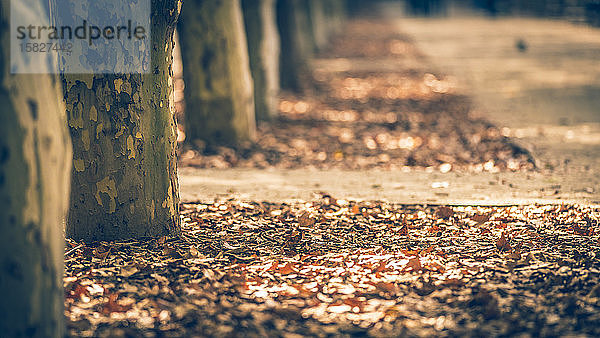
(263, 49)
(297, 45)
(124, 137)
(35, 160)
(219, 97)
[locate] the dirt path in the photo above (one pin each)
(544, 94)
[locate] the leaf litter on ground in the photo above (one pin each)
(336, 267)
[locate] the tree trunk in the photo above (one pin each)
(35, 161)
(263, 49)
(219, 100)
(124, 137)
(321, 29)
(336, 13)
(297, 46)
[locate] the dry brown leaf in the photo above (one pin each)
(515, 254)
(444, 212)
(434, 266)
(503, 243)
(287, 269)
(404, 230)
(171, 252)
(305, 220)
(481, 218)
(129, 270)
(386, 287)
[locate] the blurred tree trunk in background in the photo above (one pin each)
(305, 26)
(263, 49)
(124, 137)
(320, 23)
(219, 98)
(297, 45)
(35, 163)
(336, 13)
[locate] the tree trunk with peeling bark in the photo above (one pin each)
(35, 160)
(219, 98)
(263, 49)
(124, 138)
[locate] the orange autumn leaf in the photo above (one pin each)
(386, 287)
(381, 267)
(428, 250)
(415, 264)
(113, 305)
(354, 302)
(433, 266)
(407, 252)
(501, 226)
(286, 269)
(485, 231)
(273, 267)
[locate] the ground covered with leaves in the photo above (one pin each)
(360, 116)
(343, 268)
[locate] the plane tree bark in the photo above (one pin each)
(124, 137)
(263, 50)
(35, 164)
(219, 97)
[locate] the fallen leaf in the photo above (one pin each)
(112, 305)
(386, 287)
(481, 218)
(404, 230)
(503, 243)
(515, 254)
(415, 264)
(444, 212)
(129, 270)
(305, 220)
